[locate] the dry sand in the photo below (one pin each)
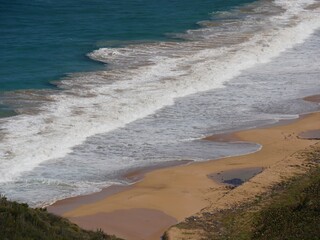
(168, 195)
(139, 223)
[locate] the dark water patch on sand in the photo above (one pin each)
(310, 135)
(235, 177)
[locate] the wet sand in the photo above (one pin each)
(133, 175)
(172, 194)
(224, 137)
(314, 98)
(314, 134)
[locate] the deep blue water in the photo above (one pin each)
(43, 40)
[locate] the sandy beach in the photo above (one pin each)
(149, 120)
(166, 196)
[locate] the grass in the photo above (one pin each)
(293, 214)
(290, 211)
(19, 222)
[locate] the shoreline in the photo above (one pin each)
(170, 195)
(133, 176)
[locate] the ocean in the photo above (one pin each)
(89, 92)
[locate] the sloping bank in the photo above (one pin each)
(19, 222)
(288, 210)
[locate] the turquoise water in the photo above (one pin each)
(43, 40)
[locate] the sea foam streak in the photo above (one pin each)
(145, 78)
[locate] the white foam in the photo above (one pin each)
(154, 76)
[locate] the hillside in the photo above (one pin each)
(18, 221)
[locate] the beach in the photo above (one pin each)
(145, 101)
(143, 114)
(166, 196)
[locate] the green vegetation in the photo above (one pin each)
(294, 214)
(290, 211)
(19, 222)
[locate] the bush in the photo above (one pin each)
(19, 222)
